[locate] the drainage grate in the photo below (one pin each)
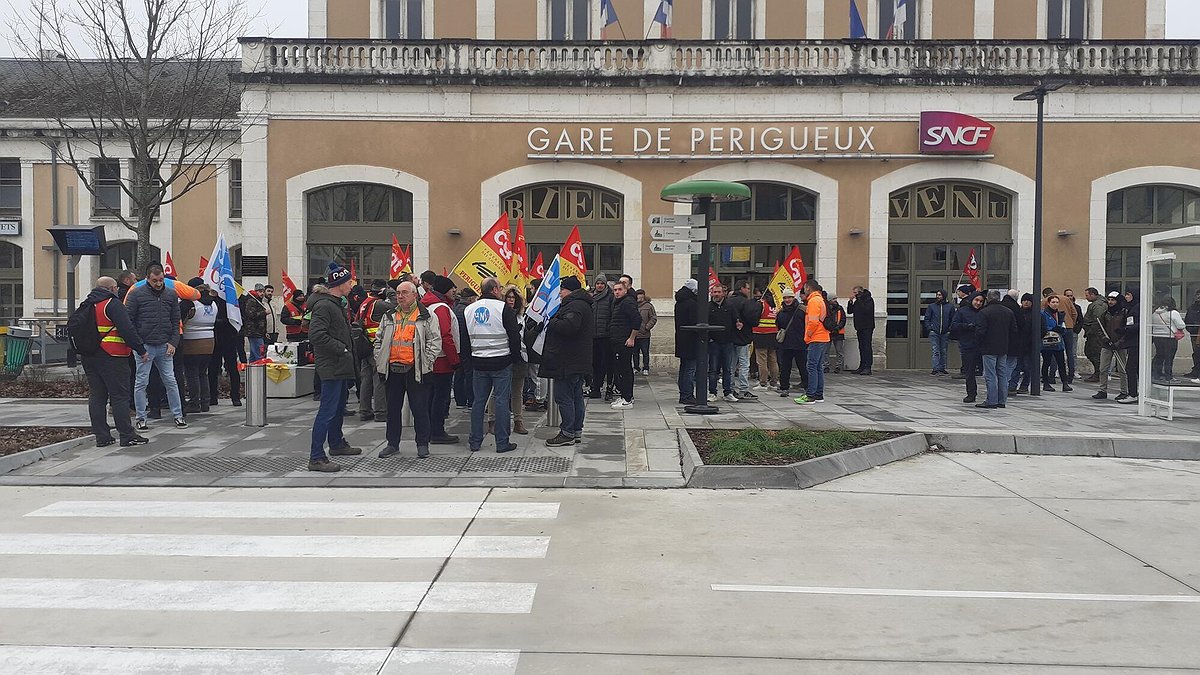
(393, 464)
(193, 464)
(545, 464)
(435, 465)
(275, 465)
(485, 464)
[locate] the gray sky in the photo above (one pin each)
(288, 18)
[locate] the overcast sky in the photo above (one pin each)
(288, 18)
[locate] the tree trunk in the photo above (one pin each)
(144, 255)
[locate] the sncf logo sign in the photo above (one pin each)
(950, 133)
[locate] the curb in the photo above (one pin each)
(800, 475)
(15, 461)
(1073, 446)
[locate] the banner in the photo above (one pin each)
(971, 271)
(538, 269)
(219, 276)
(547, 300)
(791, 274)
(574, 264)
(169, 267)
(289, 287)
(396, 267)
(491, 256)
(520, 257)
(713, 280)
(203, 266)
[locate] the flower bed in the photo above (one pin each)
(760, 447)
(16, 439)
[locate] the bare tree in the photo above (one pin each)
(147, 79)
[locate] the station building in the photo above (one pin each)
(885, 159)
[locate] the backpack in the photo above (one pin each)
(830, 322)
(82, 329)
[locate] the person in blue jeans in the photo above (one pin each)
(685, 340)
(494, 343)
(333, 351)
(154, 311)
(567, 358)
(722, 356)
(817, 337)
(997, 327)
(938, 317)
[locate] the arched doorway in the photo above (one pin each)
(12, 290)
(550, 211)
(1141, 210)
(751, 236)
(354, 223)
(932, 229)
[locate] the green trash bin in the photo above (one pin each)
(16, 349)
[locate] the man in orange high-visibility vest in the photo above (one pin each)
(107, 369)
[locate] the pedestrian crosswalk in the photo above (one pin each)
(156, 616)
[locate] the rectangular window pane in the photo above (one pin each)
(1116, 207)
(347, 200)
(318, 207)
(744, 21)
(1133, 263)
(998, 258)
(1192, 212)
(770, 202)
(10, 198)
(887, 13)
(235, 188)
(721, 19)
(611, 257)
(1054, 17)
(897, 306)
(579, 20)
(804, 207)
(1078, 18)
(898, 256)
(391, 19)
(734, 211)
(929, 257)
(10, 172)
(413, 27)
(1112, 263)
(1169, 202)
(1139, 205)
(402, 206)
(558, 20)
(377, 204)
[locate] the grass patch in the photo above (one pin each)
(785, 446)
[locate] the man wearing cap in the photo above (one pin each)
(567, 358)
(437, 301)
(333, 350)
(1113, 325)
(964, 294)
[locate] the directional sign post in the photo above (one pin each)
(677, 247)
(678, 233)
(672, 220)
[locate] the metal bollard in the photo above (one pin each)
(256, 395)
(553, 417)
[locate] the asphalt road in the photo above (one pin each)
(941, 564)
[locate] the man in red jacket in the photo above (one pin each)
(436, 300)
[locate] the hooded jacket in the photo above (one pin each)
(685, 315)
(329, 333)
(1113, 325)
(118, 314)
(427, 342)
(1092, 317)
(625, 318)
(1133, 320)
(997, 328)
(649, 319)
(863, 310)
(602, 309)
(965, 328)
(568, 348)
(254, 316)
(939, 315)
(1192, 318)
(155, 314)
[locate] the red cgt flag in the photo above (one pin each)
(971, 270)
(289, 288)
(397, 263)
(169, 267)
(203, 266)
(539, 268)
(713, 280)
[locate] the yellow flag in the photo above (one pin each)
(779, 281)
(487, 257)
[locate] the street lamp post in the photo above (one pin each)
(1037, 94)
(702, 195)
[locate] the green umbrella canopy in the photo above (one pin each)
(691, 191)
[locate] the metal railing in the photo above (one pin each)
(477, 58)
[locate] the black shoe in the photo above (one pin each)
(105, 444)
(237, 403)
(191, 408)
(388, 451)
(422, 451)
(204, 407)
(1067, 387)
(324, 466)
(1014, 392)
(345, 450)
(136, 440)
(608, 397)
(559, 441)
(784, 393)
(447, 439)
(689, 400)
(316, 397)
(987, 406)
(1047, 388)
(969, 399)
(214, 402)
(865, 372)
(366, 417)
(1100, 395)
(595, 394)
(510, 448)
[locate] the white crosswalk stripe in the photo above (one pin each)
(295, 510)
(225, 546)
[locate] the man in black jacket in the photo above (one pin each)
(623, 327)
(685, 340)
(862, 308)
(746, 313)
(107, 370)
(567, 358)
(997, 328)
(333, 352)
(721, 355)
(602, 302)
(1192, 321)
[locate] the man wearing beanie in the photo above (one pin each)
(567, 358)
(437, 301)
(333, 350)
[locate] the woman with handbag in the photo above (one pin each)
(1166, 330)
(790, 339)
(1054, 347)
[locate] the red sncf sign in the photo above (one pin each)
(952, 133)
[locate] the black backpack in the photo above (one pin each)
(83, 331)
(830, 322)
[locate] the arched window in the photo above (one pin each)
(753, 235)
(354, 223)
(1140, 210)
(12, 292)
(123, 254)
(550, 210)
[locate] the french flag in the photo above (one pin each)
(663, 18)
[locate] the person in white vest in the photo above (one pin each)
(197, 344)
(494, 343)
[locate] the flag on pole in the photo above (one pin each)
(547, 300)
(406, 261)
(289, 287)
(858, 30)
(971, 270)
(203, 266)
(491, 256)
(538, 269)
(663, 18)
(397, 263)
(353, 273)
(899, 18)
(609, 16)
(574, 264)
(445, 273)
(520, 256)
(218, 274)
(713, 280)
(124, 265)
(168, 268)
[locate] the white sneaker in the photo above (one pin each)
(761, 387)
(1131, 399)
(622, 403)
(731, 398)
(646, 371)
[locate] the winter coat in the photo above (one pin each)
(449, 360)
(1023, 344)
(748, 312)
(254, 316)
(427, 342)
(685, 315)
(568, 348)
(155, 314)
(721, 315)
(602, 308)
(464, 352)
(625, 319)
(1133, 330)
(1113, 326)
(839, 333)
(863, 310)
(118, 314)
(1164, 322)
(1192, 319)
(792, 319)
(965, 328)
(227, 338)
(329, 333)
(1052, 323)
(997, 329)
(649, 319)
(939, 316)
(1092, 317)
